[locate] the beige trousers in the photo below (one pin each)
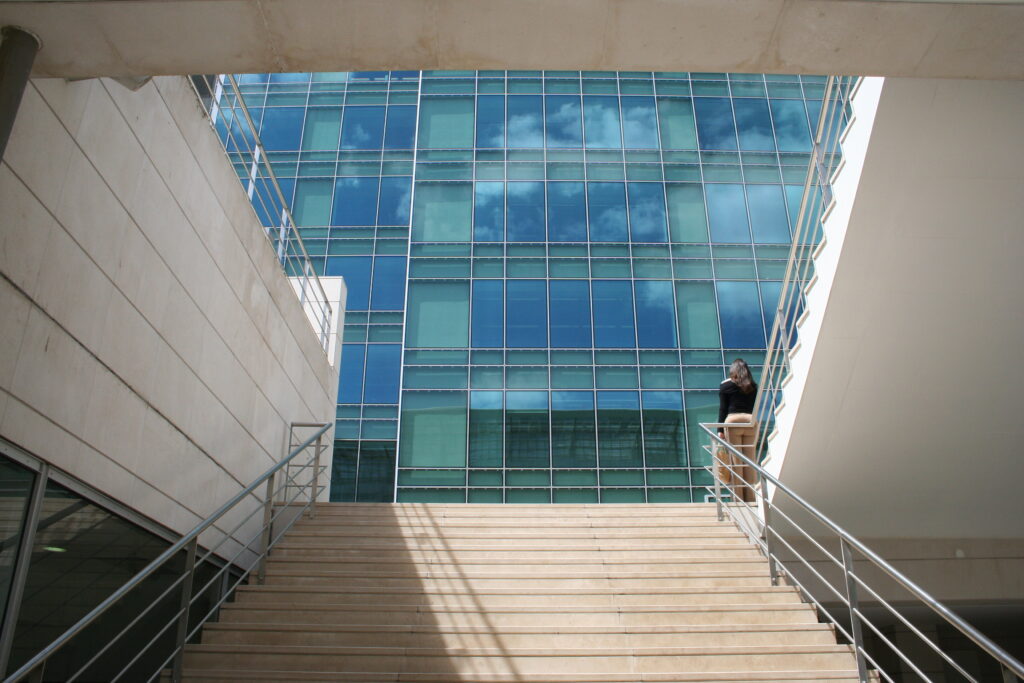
(742, 477)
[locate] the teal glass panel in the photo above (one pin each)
(738, 269)
(702, 378)
(432, 478)
(379, 429)
(439, 268)
(446, 122)
(791, 129)
(434, 429)
(622, 496)
(572, 378)
(659, 357)
(323, 126)
(727, 213)
(484, 495)
(616, 378)
(664, 434)
(527, 478)
(678, 130)
(436, 357)
(568, 268)
(434, 378)
(486, 378)
(740, 310)
(482, 477)
(660, 268)
(431, 495)
(618, 426)
(442, 212)
(528, 496)
(526, 378)
(615, 357)
(575, 495)
(576, 477)
(697, 315)
(622, 477)
(768, 220)
(486, 433)
(313, 202)
(679, 495)
(701, 406)
(668, 478)
(438, 315)
(573, 433)
(343, 471)
(526, 357)
(527, 435)
(659, 378)
(687, 218)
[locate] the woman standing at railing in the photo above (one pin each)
(735, 405)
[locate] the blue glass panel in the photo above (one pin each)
(400, 132)
(383, 366)
(794, 194)
(489, 212)
(647, 212)
(527, 431)
(525, 121)
(355, 201)
(715, 126)
(526, 212)
(488, 316)
(490, 121)
(570, 314)
(282, 128)
(791, 129)
(754, 124)
(727, 213)
(356, 271)
(395, 201)
(768, 220)
(639, 123)
(618, 427)
(613, 314)
(655, 314)
(362, 128)
(567, 212)
(289, 78)
(607, 212)
(526, 314)
(601, 121)
(388, 283)
(771, 290)
(562, 123)
(740, 310)
(350, 384)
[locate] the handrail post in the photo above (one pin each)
(183, 610)
(318, 449)
(851, 596)
(1008, 676)
(766, 511)
(268, 512)
(718, 482)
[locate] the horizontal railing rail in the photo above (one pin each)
(225, 105)
(239, 563)
(832, 576)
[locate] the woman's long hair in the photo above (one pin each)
(739, 372)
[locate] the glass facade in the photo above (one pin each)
(547, 272)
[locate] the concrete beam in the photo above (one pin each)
(83, 38)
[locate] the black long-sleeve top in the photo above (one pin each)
(731, 399)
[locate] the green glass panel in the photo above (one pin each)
(732, 251)
(572, 268)
(385, 333)
(659, 357)
(702, 358)
(643, 172)
(488, 250)
(526, 250)
(444, 171)
(431, 477)
(313, 200)
(379, 429)
(487, 358)
(622, 495)
(661, 268)
(771, 270)
(420, 377)
(622, 477)
(527, 478)
(484, 495)
(667, 87)
(619, 438)
(723, 174)
(572, 378)
(354, 333)
(735, 269)
(700, 477)
(490, 171)
(610, 267)
(520, 267)
(446, 267)
(343, 471)
(616, 378)
(485, 378)
(615, 357)
(703, 378)
(486, 430)
(687, 217)
(435, 357)
(669, 496)
(524, 86)
(526, 378)
(573, 437)
(697, 314)
(438, 315)
(433, 429)
(528, 496)
(600, 86)
(605, 172)
(664, 438)
(660, 378)
(667, 478)
(576, 478)
(488, 267)
(348, 411)
(491, 86)
(346, 429)
(692, 269)
(520, 171)
(575, 495)
(380, 411)
(526, 357)
(396, 168)
(687, 172)
(677, 124)
(571, 357)
(446, 122)
(323, 128)
(701, 406)
(485, 477)
(651, 251)
(761, 174)
(347, 246)
(442, 212)
(431, 495)
(748, 90)
(527, 437)
(565, 171)
(636, 87)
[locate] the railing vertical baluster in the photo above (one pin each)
(318, 449)
(183, 610)
(1008, 676)
(715, 471)
(851, 596)
(769, 546)
(268, 511)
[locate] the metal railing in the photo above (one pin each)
(224, 104)
(826, 156)
(261, 522)
(834, 569)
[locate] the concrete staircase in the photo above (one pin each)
(415, 592)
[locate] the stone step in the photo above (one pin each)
(377, 521)
(486, 565)
(507, 534)
(300, 596)
(518, 553)
(523, 637)
(456, 541)
(549, 615)
(472, 660)
(226, 676)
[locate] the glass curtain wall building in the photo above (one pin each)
(548, 272)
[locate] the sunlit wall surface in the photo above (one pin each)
(548, 271)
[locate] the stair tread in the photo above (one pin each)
(491, 630)
(625, 677)
(523, 651)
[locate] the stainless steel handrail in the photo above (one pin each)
(224, 101)
(34, 668)
(758, 520)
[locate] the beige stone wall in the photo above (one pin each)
(149, 342)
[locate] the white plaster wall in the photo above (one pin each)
(150, 343)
